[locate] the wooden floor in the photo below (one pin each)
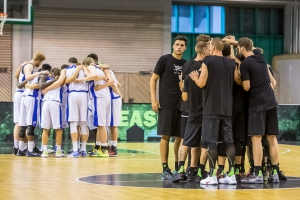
(55, 178)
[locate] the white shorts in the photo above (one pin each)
(101, 111)
(51, 115)
(17, 105)
(64, 122)
(116, 108)
(77, 107)
(28, 111)
(91, 115)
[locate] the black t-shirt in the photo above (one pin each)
(169, 69)
(217, 93)
(261, 94)
(195, 101)
(187, 68)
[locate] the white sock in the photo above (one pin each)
(16, 144)
(114, 143)
(98, 143)
(21, 145)
(75, 146)
(104, 144)
(109, 143)
(45, 148)
(83, 146)
(30, 146)
(58, 148)
(25, 146)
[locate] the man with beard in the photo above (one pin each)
(168, 70)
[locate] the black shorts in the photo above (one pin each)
(168, 122)
(214, 130)
(192, 136)
(238, 125)
(263, 123)
(184, 119)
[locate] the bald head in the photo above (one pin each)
(218, 44)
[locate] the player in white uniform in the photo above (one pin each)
(52, 116)
(101, 106)
(77, 109)
(28, 110)
(17, 104)
(116, 108)
(64, 101)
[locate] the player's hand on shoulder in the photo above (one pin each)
(45, 72)
(194, 75)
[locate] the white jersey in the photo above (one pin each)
(100, 93)
(112, 93)
(21, 78)
(54, 94)
(76, 87)
(29, 92)
(64, 89)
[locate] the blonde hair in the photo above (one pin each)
(87, 61)
(39, 56)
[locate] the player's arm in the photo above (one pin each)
(42, 82)
(103, 66)
(21, 85)
(32, 86)
(91, 75)
(57, 83)
(118, 84)
(237, 76)
(202, 79)
(74, 75)
(230, 41)
(246, 85)
(245, 75)
(19, 69)
(27, 71)
(272, 79)
(154, 102)
(116, 90)
(184, 96)
(181, 83)
(110, 81)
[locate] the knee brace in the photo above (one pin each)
(30, 130)
(222, 149)
(238, 147)
(22, 132)
(83, 130)
(73, 127)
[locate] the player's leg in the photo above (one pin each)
(17, 107)
(46, 121)
(116, 108)
(83, 125)
(201, 173)
(57, 123)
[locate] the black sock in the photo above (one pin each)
(275, 167)
(176, 166)
(181, 166)
(230, 149)
(97, 147)
(103, 147)
(257, 170)
(242, 167)
(189, 158)
(220, 169)
(237, 167)
(202, 170)
(165, 166)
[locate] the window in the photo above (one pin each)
(198, 19)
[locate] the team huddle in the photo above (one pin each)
(219, 105)
(84, 96)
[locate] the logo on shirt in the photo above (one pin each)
(177, 69)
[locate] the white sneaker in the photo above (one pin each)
(44, 154)
(209, 181)
(231, 180)
(59, 154)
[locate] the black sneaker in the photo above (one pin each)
(21, 153)
(191, 177)
(167, 174)
(179, 177)
(238, 178)
(15, 151)
(32, 154)
(36, 150)
(113, 151)
(281, 175)
(273, 178)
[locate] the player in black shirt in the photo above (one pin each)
(193, 95)
(168, 70)
(262, 116)
(216, 79)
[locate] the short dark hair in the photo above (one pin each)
(73, 60)
(64, 66)
(246, 43)
(94, 56)
(203, 38)
(56, 71)
(226, 50)
(182, 38)
(46, 67)
(260, 50)
(218, 43)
